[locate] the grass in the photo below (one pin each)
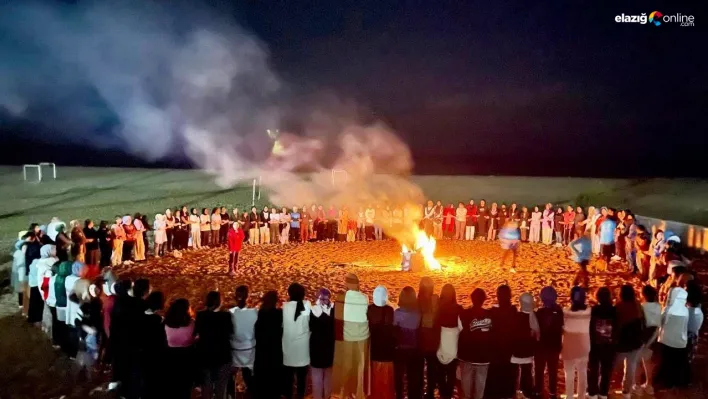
(102, 193)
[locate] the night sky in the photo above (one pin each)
(488, 87)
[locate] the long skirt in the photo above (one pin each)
(36, 306)
(382, 386)
(351, 375)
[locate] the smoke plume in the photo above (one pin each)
(182, 80)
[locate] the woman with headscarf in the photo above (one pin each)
(603, 325)
(19, 276)
(322, 345)
(408, 360)
(528, 333)
(550, 322)
(140, 231)
(447, 318)
(383, 342)
(504, 323)
(296, 339)
(559, 226)
(438, 220)
(72, 310)
(268, 365)
(350, 374)
(576, 343)
(342, 224)
(225, 224)
(180, 239)
(160, 238)
(130, 238)
(205, 228)
(482, 220)
(429, 334)
(31, 248)
(674, 369)
(195, 226)
(243, 341)
(630, 330)
(38, 269)
(535, 225)
(78, 241)
(493, 222)
(215, 223)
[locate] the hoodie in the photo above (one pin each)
(72, 308)
(380, 316)
(674, 327)
(40, 267)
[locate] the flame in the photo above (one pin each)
(424, 245)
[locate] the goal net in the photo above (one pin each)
(339, 177)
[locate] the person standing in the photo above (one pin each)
(408, 360)
(576, 343)
(369, 219)
(535, 230)
(528, 333)
(205, 228)
(351, 374)
(524, 218)
(254, 225)
(180, 357)
(322, 345)
(603, 325)
(215, 223)
(448, 318)
(304, 225)
(243, 341)
(474, 349)
(140, 232)
(343, 224)
(504, 323)
(105, 244)
(268, 365)
(295, 225)
(448, 225)
(652, 316)
(195, 229)
(607, 240)
(470, 220)
(550, 321)
(225, 225)
(580, 253)
(460, 221)
(547, 225)
(438, 220)
(428, 216)
(296, 339)
(493, 222)
(160, 238)
(264, 229)
(429, 333)
(234, 242)
(509, 238)
(118, 238)
(383, 343)
(285, 222)
(274, 225)
(213, 329)
(170, 228)
(630, 330)
(674, 370)
(578, 223)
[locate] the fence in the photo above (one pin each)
(692, 236)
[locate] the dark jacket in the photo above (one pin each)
(383, 338)
(214, 330)
(603, 325)
(269, 335)
(525, 342)
(429, 334)
(504, 321)
(475, 342)
(550, 321)
(322, 340)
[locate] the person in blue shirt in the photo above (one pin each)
(510, 236)
(607, 238)
(294, 225)
(580, 253)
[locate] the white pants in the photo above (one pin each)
(469, 232)
(535, 232)
(571, 367)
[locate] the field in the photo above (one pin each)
(97, 193)
(102, 193)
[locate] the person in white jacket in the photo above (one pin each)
(296, 338)
(243, 340)
(19, 272)
(72, 311)
(652, 316)
(673, 337)
(37, 271)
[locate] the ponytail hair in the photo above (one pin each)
(297, 294)
(241, 296)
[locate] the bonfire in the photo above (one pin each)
(422, 252)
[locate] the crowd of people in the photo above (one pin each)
(348, 346)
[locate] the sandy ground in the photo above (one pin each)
(467, 265)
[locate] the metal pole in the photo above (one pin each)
(24, 171)
(259, 188)
(253, 197)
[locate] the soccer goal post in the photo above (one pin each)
(49, 165)
(27, 167)
(339, 176)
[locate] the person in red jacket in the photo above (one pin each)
(235, 241)
(449, 221)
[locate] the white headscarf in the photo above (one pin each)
(54, 227)
(380, 296)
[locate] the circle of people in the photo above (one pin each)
(349, 346)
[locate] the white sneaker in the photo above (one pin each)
(113, 386)
(616, 258)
